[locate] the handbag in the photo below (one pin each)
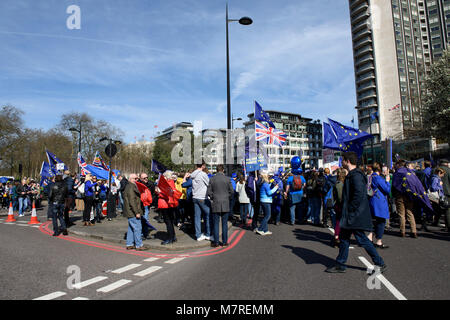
(433, 196)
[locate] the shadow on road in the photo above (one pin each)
(312, 257)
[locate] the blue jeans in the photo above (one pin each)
(58, 214)
(216, 219)
(362, 239)
(134, 232)
(296, 211)
(201, 206)
(266, 207)
(22, 205)
(245, 208)
(144, 220)
(315, 204)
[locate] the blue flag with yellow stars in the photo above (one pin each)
(332, 141)
(346, 134)
(260, 115)
(406, 182)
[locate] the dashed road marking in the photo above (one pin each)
(126, 268)
(88, 282)
(80, 298)
(147, 271)
(151, 259)
(52, 296)
(174, 260)
(114, 286)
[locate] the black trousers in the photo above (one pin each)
(88, 204)
(67, 207)
(169, 219)
(256, 208)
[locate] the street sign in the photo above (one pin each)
(111, 150)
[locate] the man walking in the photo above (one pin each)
(356, 216)
(220, 191)
(132, 210)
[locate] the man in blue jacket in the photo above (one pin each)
(356, 216)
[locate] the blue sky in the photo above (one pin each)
(141, 63)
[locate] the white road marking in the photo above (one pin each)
(88, 282)
(147, 271)
(384, 281)
(51, 296)
(114, 286)
(126, 268)
(151, 259)
(35, 226)
(22, 221)
(80, 298)
(174, 260)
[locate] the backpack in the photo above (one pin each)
(297, 183)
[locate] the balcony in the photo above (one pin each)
(360, 43)
(368, 67)
(362, 33)
(361, 17)
(354, 3)
(365, 77)
(359, 26)
(363, 50)
(363, 6)
(363, 60)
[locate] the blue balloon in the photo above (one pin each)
(296, 162)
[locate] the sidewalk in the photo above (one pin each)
(115, 231)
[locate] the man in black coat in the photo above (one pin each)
(57, 197)
(356, 216)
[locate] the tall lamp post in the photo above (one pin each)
(79, 143)
(244, 21)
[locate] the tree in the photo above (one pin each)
(91, 133)
(436, 107)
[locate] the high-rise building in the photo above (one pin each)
(438, 12)
(391, 56)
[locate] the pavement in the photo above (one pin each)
(116, 229)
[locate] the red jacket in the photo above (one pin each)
(168, 195)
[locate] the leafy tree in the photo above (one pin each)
(436, 114)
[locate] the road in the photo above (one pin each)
(287, 265)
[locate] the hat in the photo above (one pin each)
(234, 175)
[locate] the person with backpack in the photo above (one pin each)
(277, 197)
(294, 189)
(378, 191)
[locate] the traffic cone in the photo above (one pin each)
(34, 219)
(10, 214)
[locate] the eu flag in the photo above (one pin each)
(347, 134)
(53, 160)
(158, 167)
(260, 115)
(329, 138)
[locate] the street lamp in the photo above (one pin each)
(234, 119)
(244, 21)
(79, 143)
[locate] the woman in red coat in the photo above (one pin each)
(167, 202)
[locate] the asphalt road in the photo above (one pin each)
(287, 265)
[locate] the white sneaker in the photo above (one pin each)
(21, 215)
(260, 232)
(268, 233)
(209, 238)
(201, 238)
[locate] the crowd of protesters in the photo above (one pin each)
(204, 201)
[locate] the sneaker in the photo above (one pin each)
(209, 238)
(201, 238)
(336, 269)
(379, 269)
(143, 248)
(260, 232)
(268, 233)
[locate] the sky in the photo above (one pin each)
(144, 63)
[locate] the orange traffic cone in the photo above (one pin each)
(34, 219)
(10, 214)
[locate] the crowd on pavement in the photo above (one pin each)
(352, 200)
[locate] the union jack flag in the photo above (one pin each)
(270, 135)
(83, 165)
(99, 163)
